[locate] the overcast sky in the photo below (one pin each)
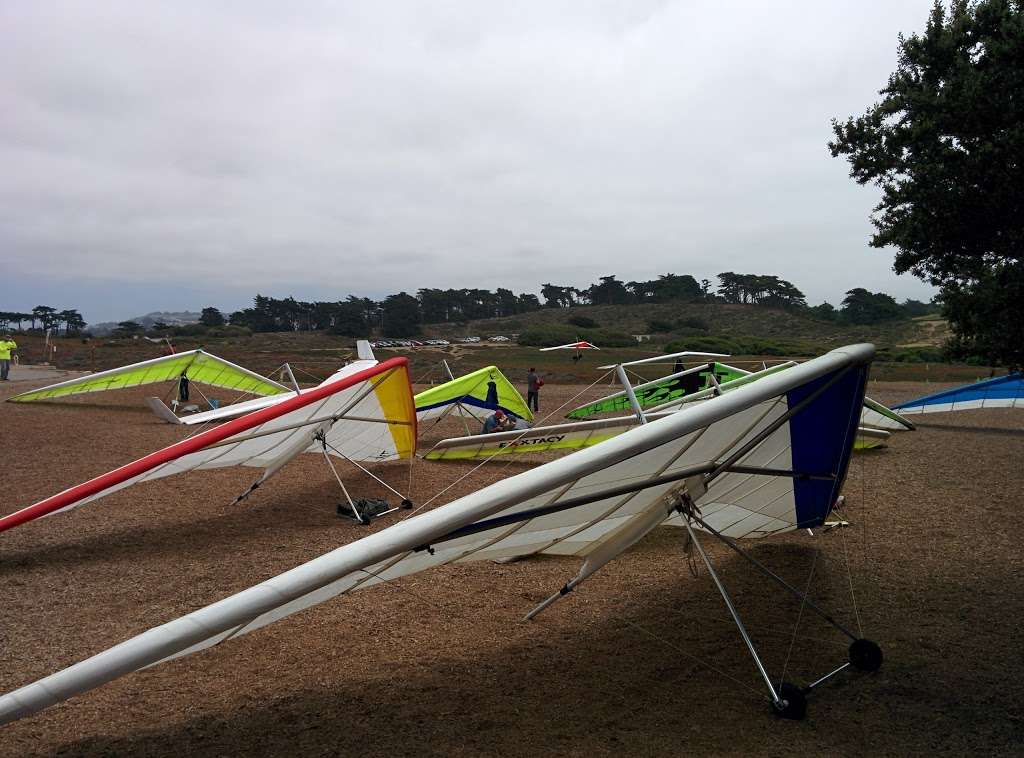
(165, 156)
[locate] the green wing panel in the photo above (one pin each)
(197, 365)
(474, 389)
(660, 391)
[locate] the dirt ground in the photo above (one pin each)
(641, 660)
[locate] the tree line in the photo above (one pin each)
(403, 315)
(47, 317)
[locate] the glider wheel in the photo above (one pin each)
(795, 703)
(865, 655)
(406, 504)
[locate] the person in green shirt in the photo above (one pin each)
(6, 346)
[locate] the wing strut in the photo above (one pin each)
(788, 700)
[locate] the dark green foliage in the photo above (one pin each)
(695, 323)
(747, 346)
(401, 315)
(443, 306)
(610, 291)
(759, 289)
(824, 312)
(667, 288)
(658, 326)
(584, 322)
(211, 317)
(987, 317)
(863, 307)
(945, 145)
(128, 328)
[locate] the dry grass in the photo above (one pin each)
(642, 660)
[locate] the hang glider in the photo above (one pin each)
(196, 365)
(539, 439)
(579, 345)
(770, 457)
(248, 406)
(873, 416)
(877, 416)
(486, 389)
(667, 358)
(365, 360)
(1001, 392)
(366, 416)
(666, 389)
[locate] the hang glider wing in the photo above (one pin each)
(1001, 392)
(368, 416)
(877, 416)
(869, 439)
(767, 458)
(487, 389)
(669, 358)
(874, 415)
(197, 365)
(666, 389)
(248, 406)
(539, 439)
(580, 345)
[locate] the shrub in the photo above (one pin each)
(658, 326)
(584, 322)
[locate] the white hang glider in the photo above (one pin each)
(195, 365)
(668, 358)
(365, 416)
(767, 458)
(578, 345)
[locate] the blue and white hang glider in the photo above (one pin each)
(1001, 392)
(767, 458)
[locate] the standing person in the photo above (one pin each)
(6, 346)
(533, 385)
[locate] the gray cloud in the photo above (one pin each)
(323, 150)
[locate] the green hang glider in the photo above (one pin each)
(664, 390)
(487, 389)
(196, 365)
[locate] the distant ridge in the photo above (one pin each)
(171, 318)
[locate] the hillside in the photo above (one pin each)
(791, 329)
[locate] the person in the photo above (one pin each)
(496, 422)
(678, 367)
(6, 346)
(183, 388)
(533, 385)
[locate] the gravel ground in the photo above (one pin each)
(642, 660)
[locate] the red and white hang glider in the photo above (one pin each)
(580, 345)
(366, 416)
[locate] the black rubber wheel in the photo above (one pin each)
(865, 655)
(406, 504)
(795, 703)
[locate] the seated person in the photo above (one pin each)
(498, 421)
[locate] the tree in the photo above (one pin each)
(128, 328)
(45, 314)
(401, 315)
(863, 307)
(211, 317)
(945, 145)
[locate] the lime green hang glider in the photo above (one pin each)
(664, 390)
(196, 365)
(487, 389)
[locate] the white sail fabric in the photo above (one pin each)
(367, 416)
(768, 457)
